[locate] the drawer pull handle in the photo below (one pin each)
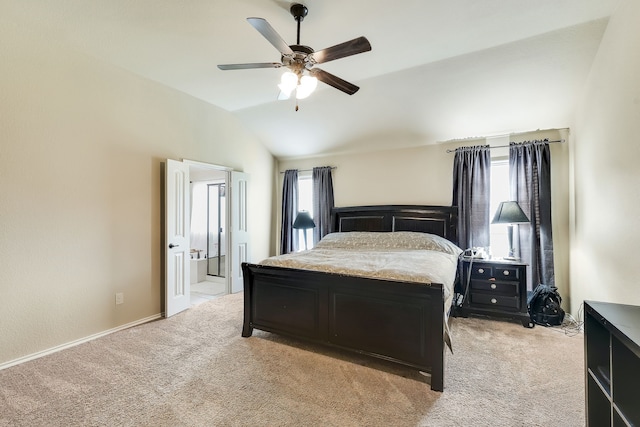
(481, 270)
(493, 286)
(506, 272)
(493, 300)
(493, 279)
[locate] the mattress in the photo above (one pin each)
(419, 258)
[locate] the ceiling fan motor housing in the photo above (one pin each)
(301, 59)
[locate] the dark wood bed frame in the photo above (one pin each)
(395, 321)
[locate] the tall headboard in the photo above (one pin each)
(439, 220)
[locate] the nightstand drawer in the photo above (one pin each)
(483, 271)
(500, 301)
(506, 273)
(496, 287)
(479, 271)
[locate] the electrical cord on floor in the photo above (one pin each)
(570, 326)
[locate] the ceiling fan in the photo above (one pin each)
(303, 76)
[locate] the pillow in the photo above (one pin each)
(391, 240)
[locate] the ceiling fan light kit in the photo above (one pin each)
(302, 75)
(304, 86)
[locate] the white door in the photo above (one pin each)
(177, 238)
(238, 227)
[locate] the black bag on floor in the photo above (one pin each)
(544, 306)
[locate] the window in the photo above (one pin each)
(305, 203)
(499, 239)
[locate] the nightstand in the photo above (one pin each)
(497, 288)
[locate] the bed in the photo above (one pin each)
(400, 319)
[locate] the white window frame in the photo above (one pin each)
(498, 238)
(305, 203)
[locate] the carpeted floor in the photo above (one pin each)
(195, 369)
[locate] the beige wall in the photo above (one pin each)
(424, 176)
(420, 175)
(81, 148)
(606, 151)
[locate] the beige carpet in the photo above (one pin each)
(195, 369)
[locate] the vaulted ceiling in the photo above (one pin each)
(438, 70)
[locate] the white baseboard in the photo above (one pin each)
(77, 342)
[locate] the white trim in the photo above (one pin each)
(77, 342)
(206, 165)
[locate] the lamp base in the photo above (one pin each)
(512, 252)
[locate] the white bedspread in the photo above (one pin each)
(404, 256)
(406, 265)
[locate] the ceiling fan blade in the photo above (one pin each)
(249, 66)
(352, 47)
(270, 34)
(331, 80)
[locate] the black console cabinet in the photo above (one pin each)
(497, 288)
(612, 364)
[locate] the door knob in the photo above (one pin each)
(171, 246)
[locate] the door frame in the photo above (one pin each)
(227, 181)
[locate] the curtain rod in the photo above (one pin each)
(505, 146)
(311, 170)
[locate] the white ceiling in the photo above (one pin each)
(438, 70)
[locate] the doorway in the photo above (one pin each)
(208, 237)
(179, 256)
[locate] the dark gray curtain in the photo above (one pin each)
(322, 201)
(471, 194)
(289, 236)
(530, 182)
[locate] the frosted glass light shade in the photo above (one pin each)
(307, 86)
(288, 83)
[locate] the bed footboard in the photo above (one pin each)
(395, 321)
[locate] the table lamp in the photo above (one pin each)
(304, 222)
(510, 213)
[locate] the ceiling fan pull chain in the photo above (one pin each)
(296, 104)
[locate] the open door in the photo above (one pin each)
(239, 229)
(177, 236)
